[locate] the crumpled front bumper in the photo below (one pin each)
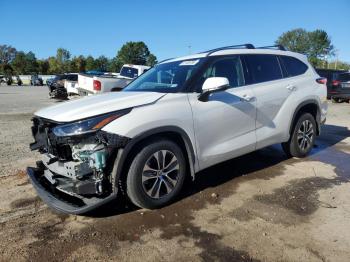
(60, 201)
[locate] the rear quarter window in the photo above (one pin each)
(293, 66)
(263, 68)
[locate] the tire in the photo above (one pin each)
(305, 127)
(143, 181)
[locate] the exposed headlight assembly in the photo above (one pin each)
(87, 125)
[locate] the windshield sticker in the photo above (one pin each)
(189, 62)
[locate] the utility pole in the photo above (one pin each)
(336, 58)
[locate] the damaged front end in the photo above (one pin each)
(75, 174)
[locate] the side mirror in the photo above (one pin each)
(211, 85)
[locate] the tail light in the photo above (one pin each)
(322, 80)
(335, 82)
(97, 85)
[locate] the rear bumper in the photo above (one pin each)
(341, 95)
(84, 92)
(63, 202)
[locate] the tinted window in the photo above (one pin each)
(129, 72)
(263, 68)
(293, 66)
(229, 67)
(72, 77)
(344, 77)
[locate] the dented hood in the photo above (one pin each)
(97, 105)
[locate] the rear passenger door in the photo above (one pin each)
(271, 91)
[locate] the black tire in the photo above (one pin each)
(294, 147)
(136, 188)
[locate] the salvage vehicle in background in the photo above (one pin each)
(56, 85)
(181, 116)
(90, 84)
(338, 84)
(35, 80)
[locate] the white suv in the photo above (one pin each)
(180, 117)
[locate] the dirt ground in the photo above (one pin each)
(258, 207)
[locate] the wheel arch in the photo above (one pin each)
(308, 106)
(174, 133)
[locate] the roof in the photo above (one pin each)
(235, 51)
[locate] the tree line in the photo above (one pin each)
(316, 44)
(14, 62)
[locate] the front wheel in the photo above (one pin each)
(302, 139)
(156, 174)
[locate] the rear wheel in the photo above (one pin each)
(156, 174)
(303, 137)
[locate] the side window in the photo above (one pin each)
(229, 67)
(263, 68)
(293, 66)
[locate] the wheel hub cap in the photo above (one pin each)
(160, 174)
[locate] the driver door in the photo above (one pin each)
(224, 124)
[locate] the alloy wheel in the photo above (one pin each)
(305, 135)
(160, 174)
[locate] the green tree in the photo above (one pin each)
(43, 66)
(151, 60)
(78, 64)
(135, 53)
(62, 58)
(101, 63)
(315, 44)
(7, 54)
(19, 62)
(90, 63)
(54, 67)
(31, 63)
(114, 65)
(25, 63)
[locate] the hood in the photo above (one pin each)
(97, 105)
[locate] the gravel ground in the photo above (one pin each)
(17, 105)
(258, 207)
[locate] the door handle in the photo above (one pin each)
(291, 87)
(247, 98)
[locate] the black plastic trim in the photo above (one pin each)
(58, 204)
(318, 115)
(128, 148)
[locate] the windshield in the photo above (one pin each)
(167, 77)
(128, 72)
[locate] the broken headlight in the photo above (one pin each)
(88, 125)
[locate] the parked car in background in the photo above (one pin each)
(90, 84)
(35, 80)
(180, 117)
(338, 84)
(2, 80)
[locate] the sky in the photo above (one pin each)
(169, 28)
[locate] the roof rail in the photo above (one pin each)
(279, 47)
(248, 46)
(165, 60)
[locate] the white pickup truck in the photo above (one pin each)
(94, 84)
